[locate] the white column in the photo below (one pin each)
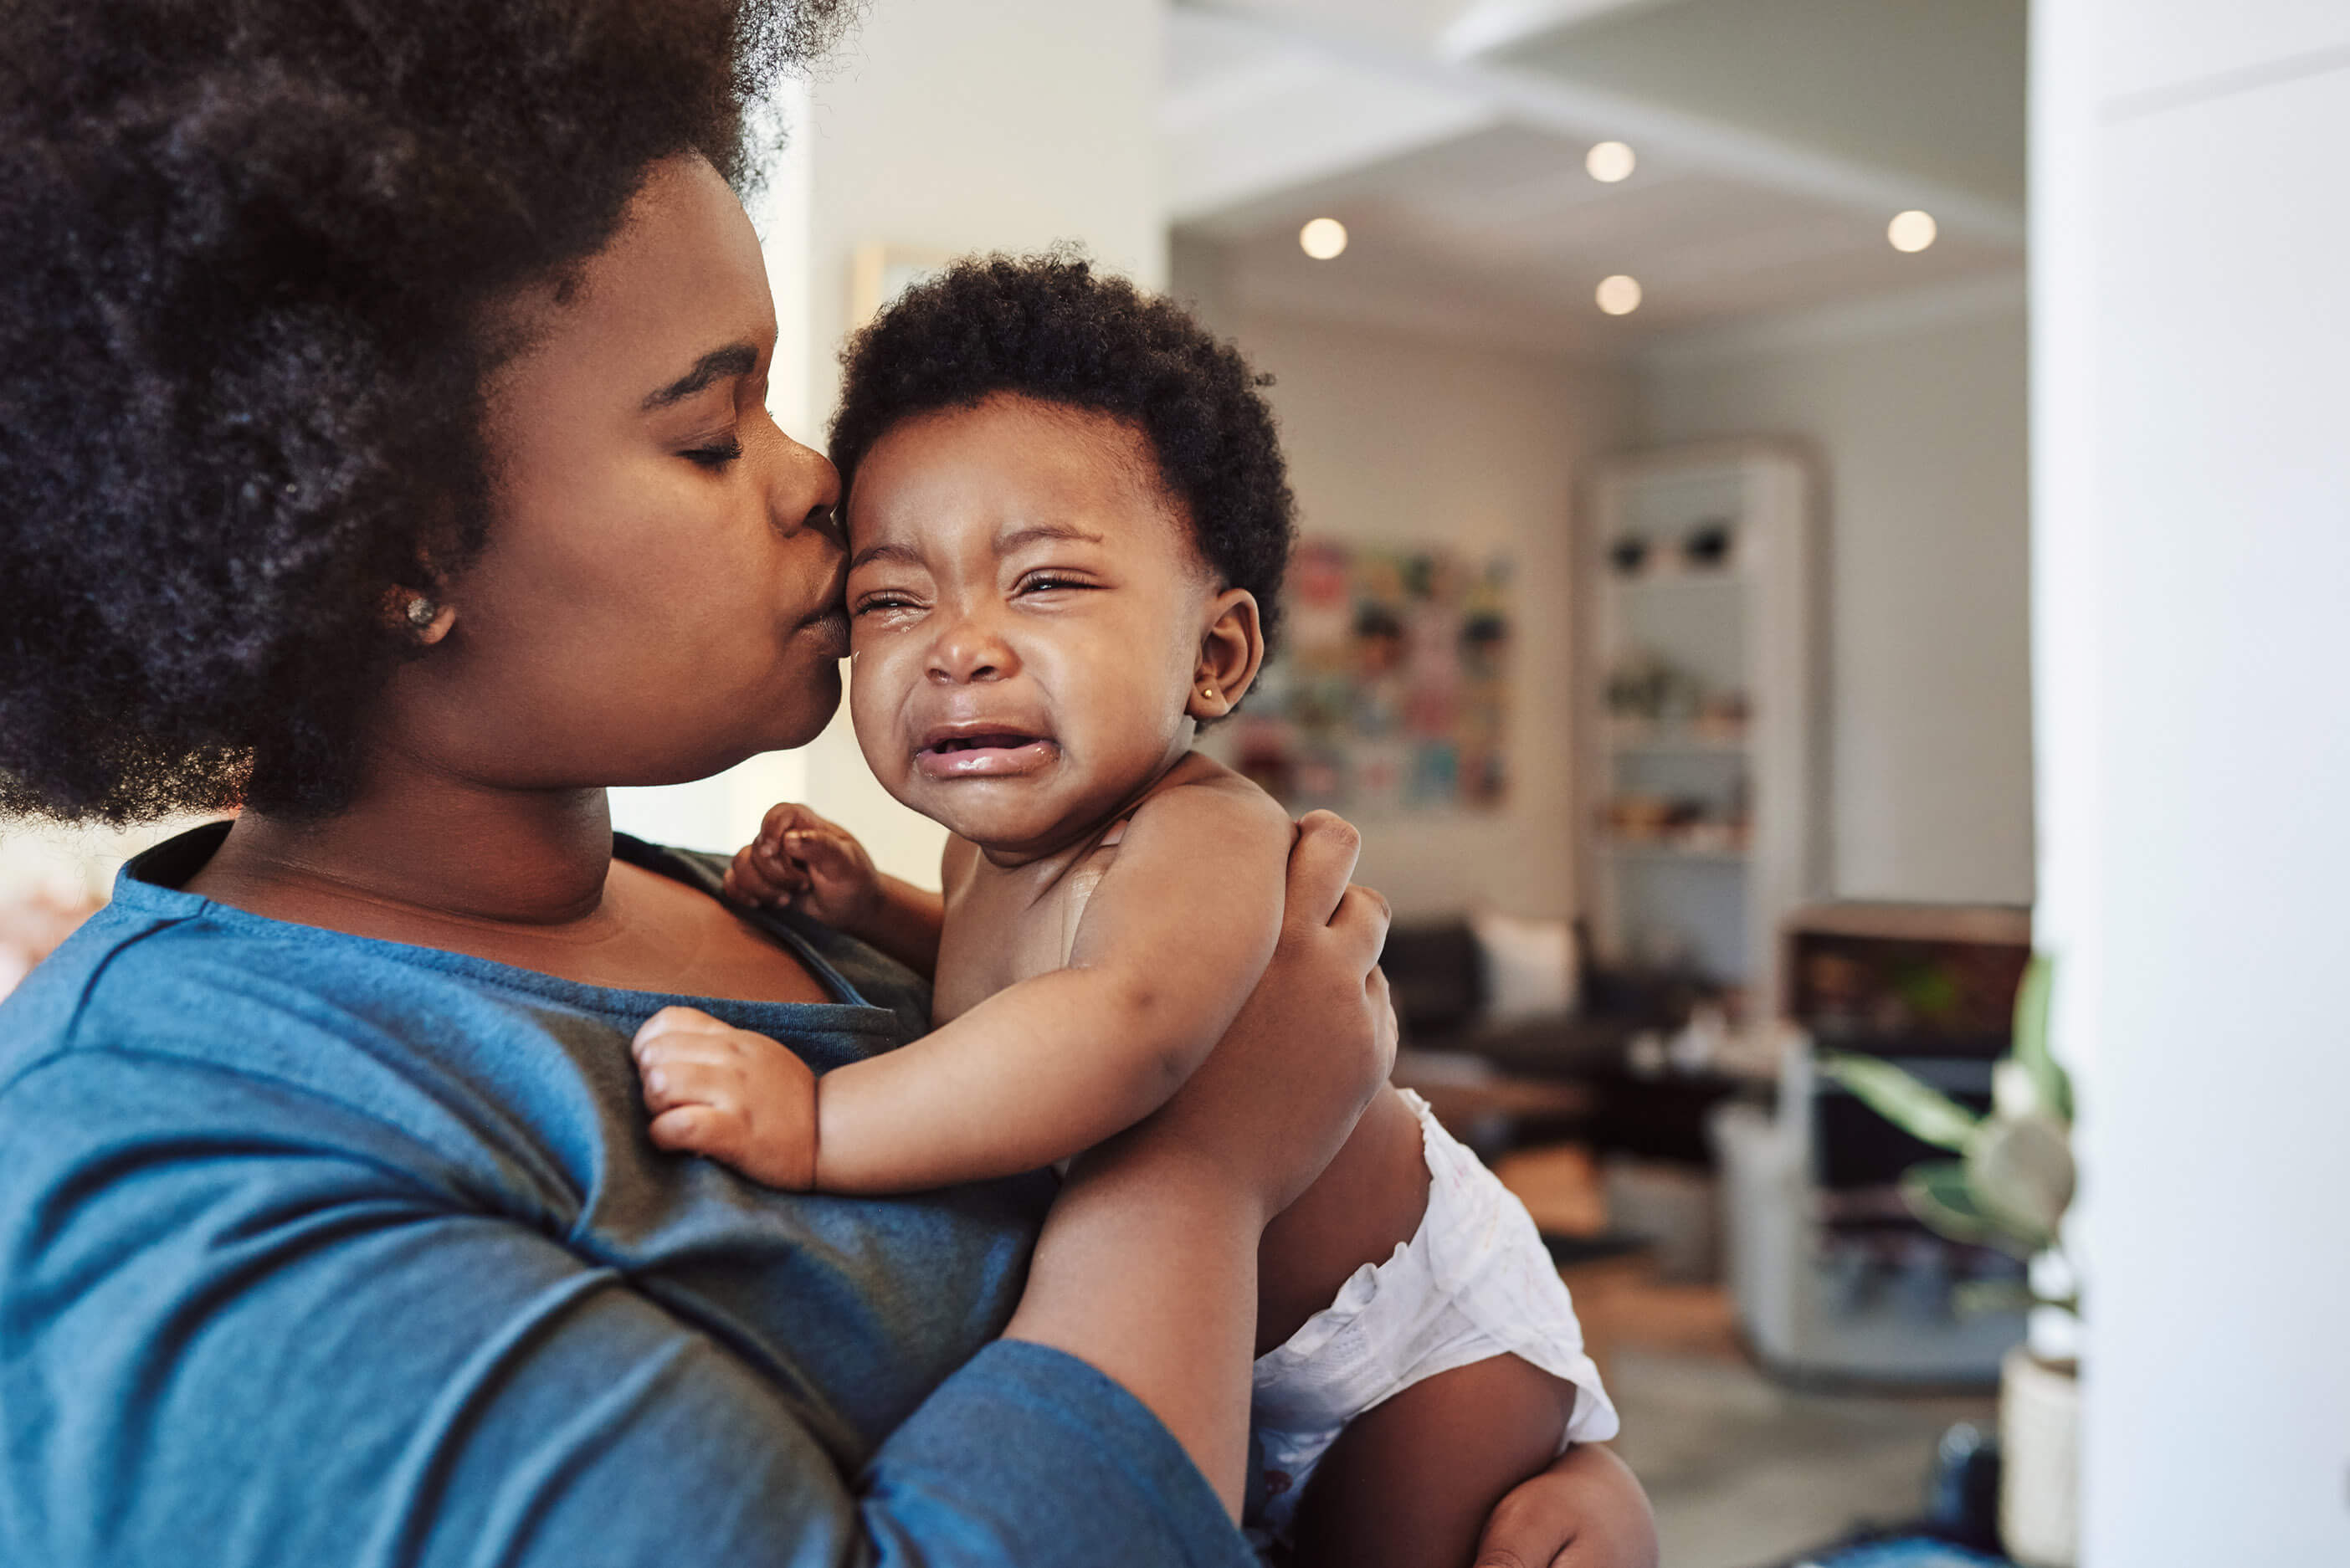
(2192, 552)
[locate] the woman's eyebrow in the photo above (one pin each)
(734, 360)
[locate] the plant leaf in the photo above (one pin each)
(2052, 1084)
(1938, 1194)
(1981, 1298)
(2020, 1169)
(1918, 1108)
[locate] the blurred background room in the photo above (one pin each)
(1823, 533)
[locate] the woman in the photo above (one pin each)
(384, 442)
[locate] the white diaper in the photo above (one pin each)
(1474, 1283)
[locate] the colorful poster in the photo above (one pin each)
(1391, 689)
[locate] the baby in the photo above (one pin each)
(1067, 520)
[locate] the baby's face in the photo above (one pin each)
(1026, 609)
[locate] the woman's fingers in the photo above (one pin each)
(1361, 922)
(1320, 863)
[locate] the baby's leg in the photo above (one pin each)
(1410, 1481)
(1366, 1203)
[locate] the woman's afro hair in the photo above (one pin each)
(250, 252)
(1048, 328)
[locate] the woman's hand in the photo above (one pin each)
(1314, 1041)
(1586, 1512)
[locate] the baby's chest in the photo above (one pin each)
(998, 934)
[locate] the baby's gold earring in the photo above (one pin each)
(1209, 692)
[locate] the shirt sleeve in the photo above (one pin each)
(237, 1324)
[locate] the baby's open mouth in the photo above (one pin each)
(1000, 740)
(983, 754)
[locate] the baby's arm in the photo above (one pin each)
(800, 861)
(1172, 943)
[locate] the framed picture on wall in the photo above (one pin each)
(1391, 691)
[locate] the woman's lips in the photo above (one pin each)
(831, 632)
(985, 756)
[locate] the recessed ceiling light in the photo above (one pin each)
(1609, 162)
(1911, 231)
(1323, 238)
(1619, 294)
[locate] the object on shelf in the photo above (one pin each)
(1628, 556)
(1709, 545)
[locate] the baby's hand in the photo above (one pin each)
(802, 862)
(729, 1094)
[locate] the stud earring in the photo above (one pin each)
(1209, 692)
(422, 612)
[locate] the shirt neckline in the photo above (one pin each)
(138, 889)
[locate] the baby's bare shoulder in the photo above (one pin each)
(1201, 794)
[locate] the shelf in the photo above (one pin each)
(1664, 581)
(1676, 741)
(1635, 850)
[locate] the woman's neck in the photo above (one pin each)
(426, 847)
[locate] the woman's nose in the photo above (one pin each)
(804, 492)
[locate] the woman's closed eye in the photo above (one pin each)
(715, 452)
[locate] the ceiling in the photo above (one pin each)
(1776, 138)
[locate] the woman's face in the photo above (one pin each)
(659, 598)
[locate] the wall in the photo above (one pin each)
(1394, 438)
(1916, 411)
(941, 126)
(2192, 543)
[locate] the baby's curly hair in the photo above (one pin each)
(250, 256)
(1048, 328)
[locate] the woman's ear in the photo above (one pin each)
(1231, 650)
(425, 618)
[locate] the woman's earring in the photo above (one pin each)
(1209, 692)
(422, 612)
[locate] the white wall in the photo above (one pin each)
(945, 125)
(1400, 439)
(2194, 537)
(1916, 411)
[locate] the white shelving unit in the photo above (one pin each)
(1698, 698)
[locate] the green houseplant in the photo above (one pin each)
(2009, 1187)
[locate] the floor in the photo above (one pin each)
(1744, 1473)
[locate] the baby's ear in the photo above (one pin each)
(1231, 650)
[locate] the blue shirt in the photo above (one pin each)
(321, 1250)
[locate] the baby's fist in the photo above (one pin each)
(729, 1094)
(801, 861)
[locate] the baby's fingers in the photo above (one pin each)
(702, 1129)
(678, 1025)
(823, 857)
(672, 1081)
